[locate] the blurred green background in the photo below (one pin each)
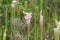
(50, 11)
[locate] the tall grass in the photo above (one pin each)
(7, 14)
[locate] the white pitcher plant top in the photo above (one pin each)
(13, 4)
(41, 18)
(28, 17)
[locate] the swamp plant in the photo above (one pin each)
(41, 19)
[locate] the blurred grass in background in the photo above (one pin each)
(51, 13)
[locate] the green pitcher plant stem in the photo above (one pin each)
(6, 22)
(41, 25)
